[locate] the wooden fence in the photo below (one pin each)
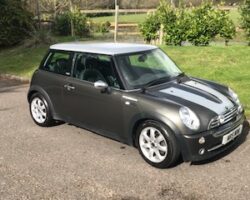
(120, 11)
(128, 29)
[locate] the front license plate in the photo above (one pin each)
(233, 134)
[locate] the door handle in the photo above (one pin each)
(69, 87)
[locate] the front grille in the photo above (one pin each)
(224, 118)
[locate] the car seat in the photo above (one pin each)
(91, 73)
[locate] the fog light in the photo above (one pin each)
(202, 140)
(201, 151)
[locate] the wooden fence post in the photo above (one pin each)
(116, 22)
(161, 34)
(71, 20)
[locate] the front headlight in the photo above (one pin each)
(234, 96)
(189, 118)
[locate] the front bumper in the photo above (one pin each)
(213, 141)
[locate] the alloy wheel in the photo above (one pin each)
(153, 144)
(38, 110)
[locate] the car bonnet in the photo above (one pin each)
(196, 93)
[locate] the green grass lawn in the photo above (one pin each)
(21, 61)
(228, 65)
(234, 14)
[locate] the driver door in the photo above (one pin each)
(89, 107)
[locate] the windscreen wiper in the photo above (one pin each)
(156, 81)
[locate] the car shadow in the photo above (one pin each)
(180, 160)
(233, 147)
(57, 123)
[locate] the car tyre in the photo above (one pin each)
(40, 111)
(157, 144)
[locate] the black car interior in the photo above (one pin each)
(133, 74)
(91, 68)
(62, 66)
(59, 63)
(87, 67)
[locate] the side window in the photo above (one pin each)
(59, 62)
(94, 67)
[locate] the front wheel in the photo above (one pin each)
(157, 144)
(40, 110)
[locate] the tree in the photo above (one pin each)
(15, 22)
(207, 22)
(226, 26)
(245, 19)
(64, 21)
(150, 27)
(176, 23)
(198, 26)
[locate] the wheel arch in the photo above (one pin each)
(161, 119)
(37, 89)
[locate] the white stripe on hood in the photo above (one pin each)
(218, 108)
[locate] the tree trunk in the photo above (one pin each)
(54, 2)
(38, 13)
(226, 42)
(174, 3)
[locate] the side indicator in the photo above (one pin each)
(127, 103)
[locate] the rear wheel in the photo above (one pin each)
(40, 110)
(157, 144)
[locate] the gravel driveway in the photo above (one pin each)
(66, 162)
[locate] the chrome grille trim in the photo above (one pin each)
(224, 118)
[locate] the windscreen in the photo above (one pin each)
(141, 68)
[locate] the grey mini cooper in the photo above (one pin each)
(137, 95)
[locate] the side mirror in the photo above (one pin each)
(101, 85)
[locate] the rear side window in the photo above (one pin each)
(58, 62)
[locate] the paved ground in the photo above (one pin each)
(66, 162)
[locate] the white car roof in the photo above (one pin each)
(103, 48)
